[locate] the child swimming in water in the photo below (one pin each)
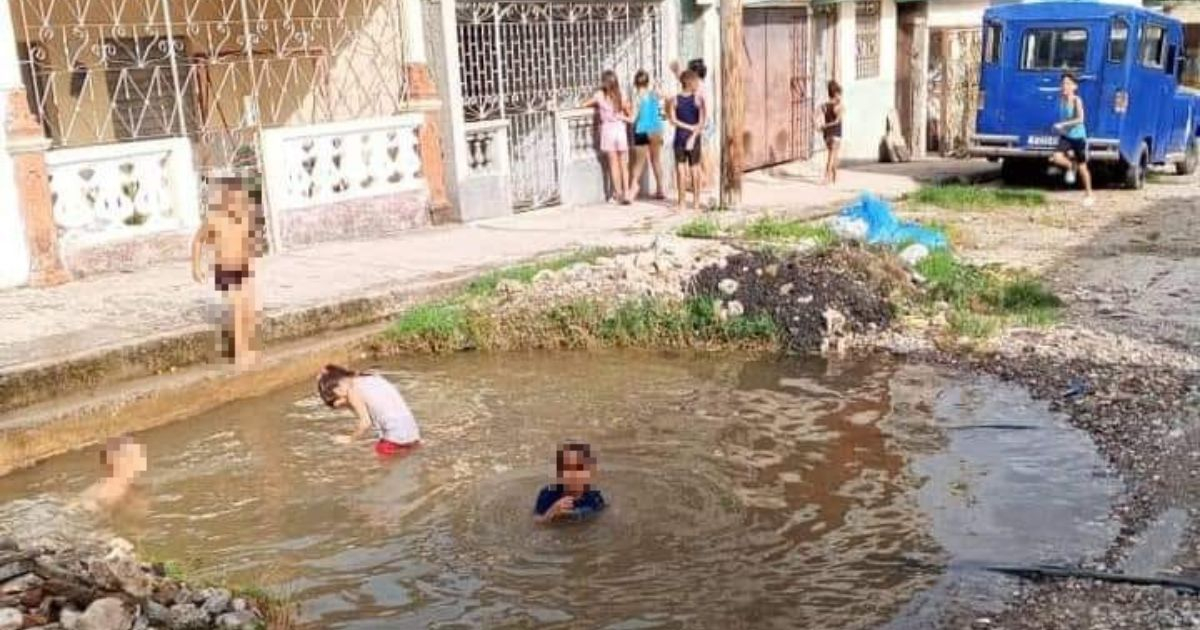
(376, 403)
(572, 498)
(124, 460)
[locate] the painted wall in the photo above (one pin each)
(333, 76)
(14, 252)
(957, 13)
(868, 101)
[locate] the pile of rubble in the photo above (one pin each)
(661, 271)
(103, 586)
(818, 301)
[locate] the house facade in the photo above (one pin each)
(359, 118)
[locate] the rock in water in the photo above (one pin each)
(159, 615)
(216, 601)
(122, 567)
(243, 619)
(11, 619)
(68, 618)
(105, 614)
(188, 617)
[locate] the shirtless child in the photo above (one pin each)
(124, 460)
(231, 228)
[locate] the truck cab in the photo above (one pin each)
(1129, 62)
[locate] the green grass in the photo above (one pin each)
(788, 230)
(699, 228)
(983, 301)
(588, 323)
(961, 197)
(439, 324)
(486, 284)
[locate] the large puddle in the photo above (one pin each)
(744, 493)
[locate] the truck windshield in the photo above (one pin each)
(1055, 49)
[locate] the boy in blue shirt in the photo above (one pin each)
(572, 498)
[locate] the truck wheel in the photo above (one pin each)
(1015, 170)
(1190, 163)
(1135, 173)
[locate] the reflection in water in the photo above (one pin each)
(743, 493)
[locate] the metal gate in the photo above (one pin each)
(522, 61)
(213, 71)
(779, 103)
(954, 64)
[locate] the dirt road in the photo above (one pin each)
(1129, 271)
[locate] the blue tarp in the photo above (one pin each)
(884, 227)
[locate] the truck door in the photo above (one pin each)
(1154, 82)
(1105, 120)
(1181, 112)
(1046, 52)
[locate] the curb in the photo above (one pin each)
(50, 379)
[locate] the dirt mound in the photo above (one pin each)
(814, 299)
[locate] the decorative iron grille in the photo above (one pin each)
(524, 60)
(953, 97)
(215, 71)
(866, 39)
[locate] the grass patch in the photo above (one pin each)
(788, 230)
(982, 301)
(439, 324)
(279, 609)
(961, 197)
(699, 228)
(954, 233)
(486, 284)
(590, 323)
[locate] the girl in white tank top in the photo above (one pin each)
(377, 404)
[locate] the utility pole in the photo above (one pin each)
(733, 104)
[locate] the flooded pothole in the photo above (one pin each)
(744, 493)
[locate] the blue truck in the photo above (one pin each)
(1129, 62)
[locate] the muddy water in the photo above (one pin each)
(744, 493)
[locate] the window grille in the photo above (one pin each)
(866, 39)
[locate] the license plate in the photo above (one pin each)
(1042, 141)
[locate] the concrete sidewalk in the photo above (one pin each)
(108, 328)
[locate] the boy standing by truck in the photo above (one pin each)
(1072, 153)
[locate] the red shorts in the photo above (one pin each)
(384, 448)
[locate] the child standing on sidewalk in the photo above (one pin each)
(831, 129)
(614, 134)
(232, 229)
(647, 134)
(687, 113)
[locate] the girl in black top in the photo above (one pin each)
(831, 128)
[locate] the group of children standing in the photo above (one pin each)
(688, 112)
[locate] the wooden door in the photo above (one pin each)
(754, 62)
(778, 86)
(907, 58)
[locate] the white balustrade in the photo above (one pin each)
(109, 192)
(487, 148)
(322, 164)
(577, 134)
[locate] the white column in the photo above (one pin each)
(14, 250)
(456, 132)
(414, 31)
(712, 59)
